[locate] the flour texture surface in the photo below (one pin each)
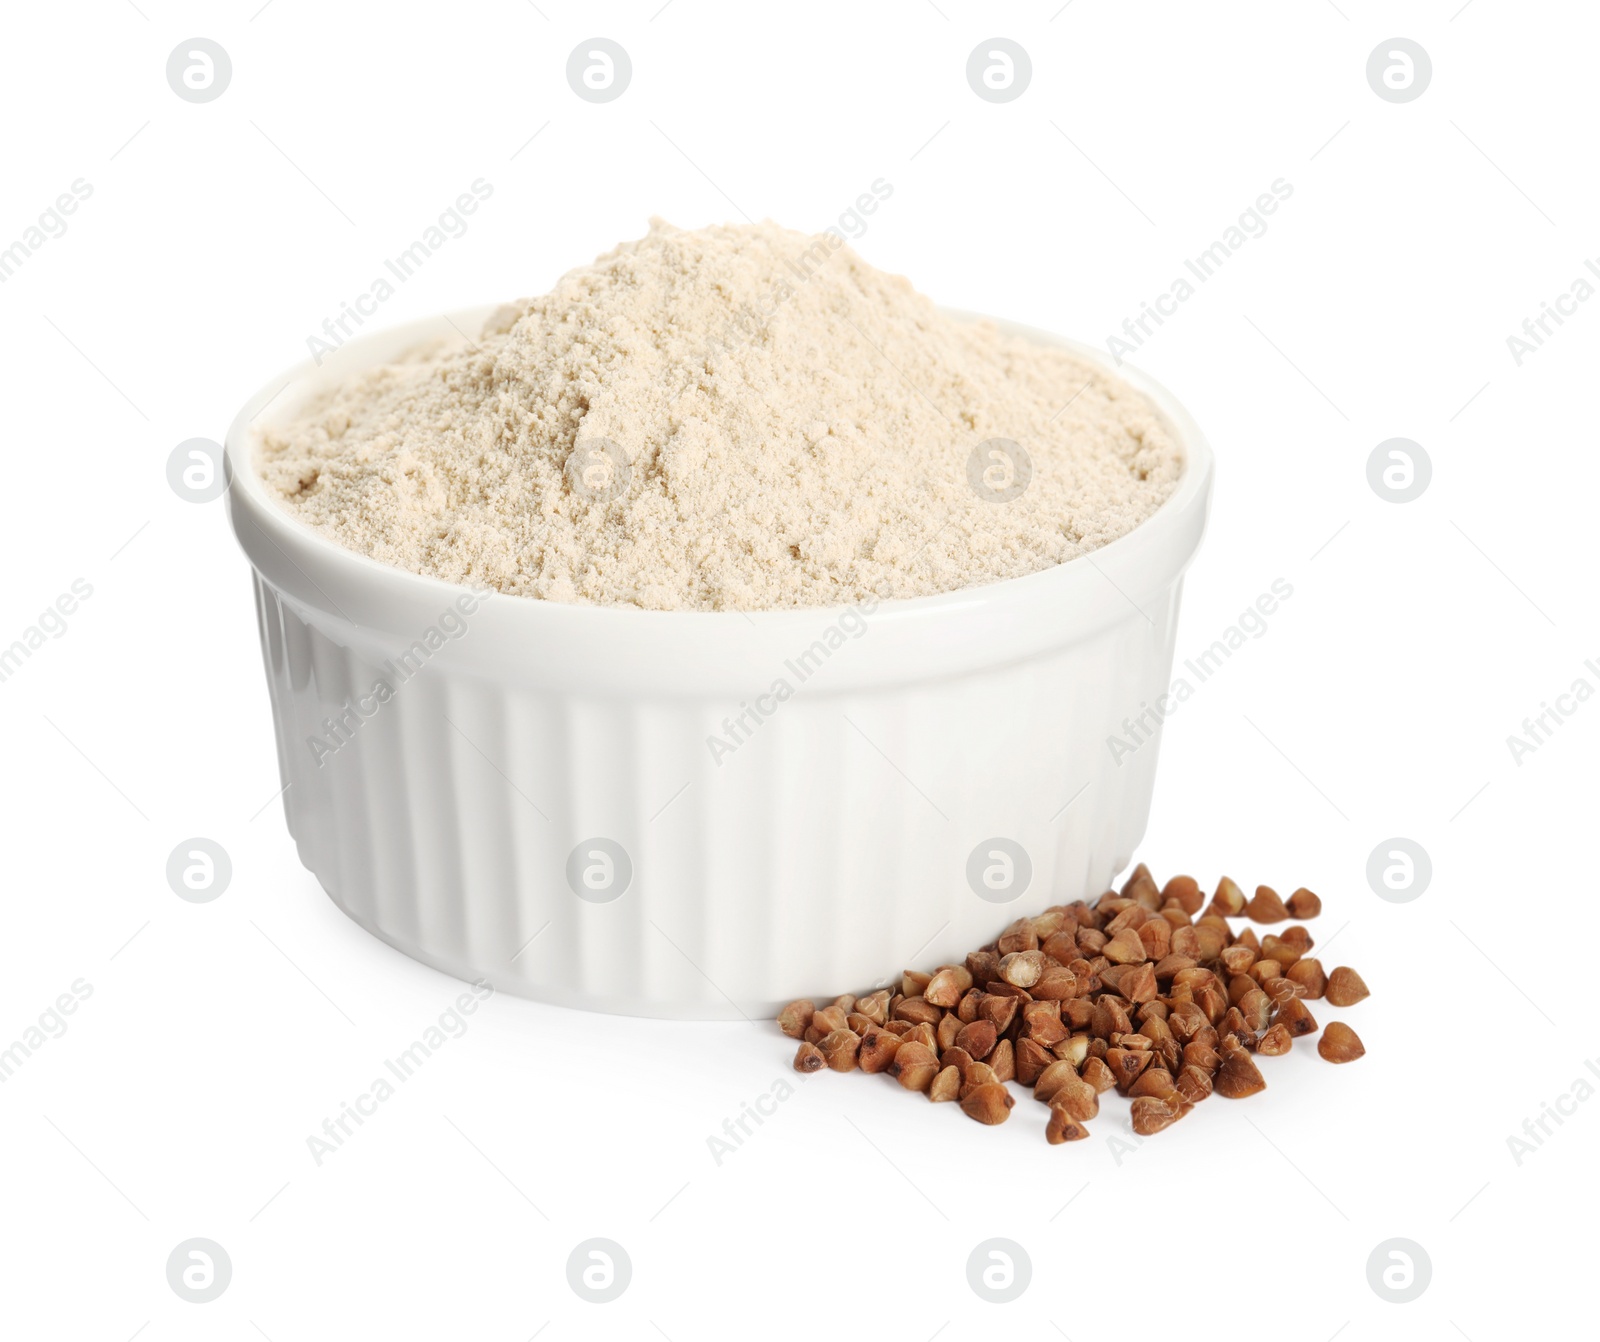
(734, 418)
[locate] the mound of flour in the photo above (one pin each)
(738, 418)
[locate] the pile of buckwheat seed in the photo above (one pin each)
(1140, 992)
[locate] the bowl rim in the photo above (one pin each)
(246, 489)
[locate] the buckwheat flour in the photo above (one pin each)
(737, 418)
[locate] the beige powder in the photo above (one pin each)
(786, 425)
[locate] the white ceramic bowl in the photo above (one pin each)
(543, 750)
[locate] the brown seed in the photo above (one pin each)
(1138, 983)
(1211, 940)
(1157, 938)
(912, 983)
(1266, 907)
(1339, 1043)
(1307, 975)
(1021, 969)
(1256, 1008)
(1303, 904)
(1183, 1020)
(846, 1002)
(859, 1023)
(1154, 1027)
(1298, 937)
(1186, 942)
(794, 1018)
(829, 1019)
(1238, 1076)
(1229, 899)
(1173, 964)
(983, 966)
(1061, 946)
(958, 1058)
(1050, 1080)
(1126, 1064)
(917, 1010)
(945, 1032)
(1140, 876)
(1036, 1013)
(1296, 1017)
(1275, 1042)
(875, 1006)
(1203, 1056)
(1345, 987)
(922, 1034)
(1063, 1127)
(967, 1008)
(878, 1048)
(1076, 1097)
(1194, 1084)
(1263, 971)
(1237, 959)
(947, 987)
(946, 1085)
(1109, 1018)
(1045, 1029)
(1000, 988)
(1048, 923)
(840, 1049)
(1111, 978)
(1213, 1001)
(808, 1058)
(1280, 949)
(1056, 984)
(1004, 1061)
(1280, 990)
(1020, 936)
(979, 1074)
(1130, 919)
(978, 1039)
(1186, 890)
(1151, 1115)
(1124, 948)
(1074, 1050)
(1098, 1075)
(1032, 1059)
(914, 1066)
(1156, 1081)
(988, 1104)
(1091, 941)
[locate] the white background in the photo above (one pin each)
(219, 1036)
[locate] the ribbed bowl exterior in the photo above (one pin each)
(820, 848)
